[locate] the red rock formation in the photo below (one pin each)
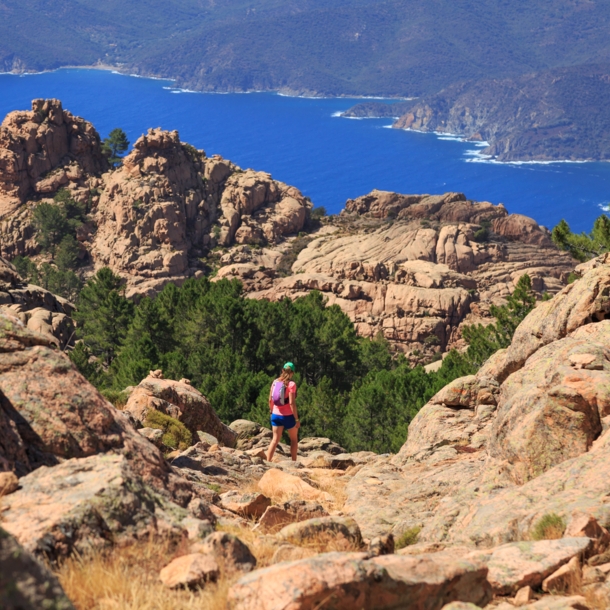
(43, 150)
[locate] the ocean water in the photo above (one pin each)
(303, 142)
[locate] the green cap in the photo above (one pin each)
(290, 366)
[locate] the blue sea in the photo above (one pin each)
(303, 142)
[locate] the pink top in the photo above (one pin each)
(285, 409)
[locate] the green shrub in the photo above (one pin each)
(573, 277)
(318, 212)
(408, 537)
(550, 527)
(175, 433)
(116, 397)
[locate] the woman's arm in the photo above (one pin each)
(293, 406)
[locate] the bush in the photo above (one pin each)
(175, 433)
(407, 538)
(116, 397)
(318, 212)
(550, 527)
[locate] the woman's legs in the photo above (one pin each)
(277, 436)
(293, 433)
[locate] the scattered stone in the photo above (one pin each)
(25, 583)
(245, 428)
(204, 437)
(524, 596)
(311, 444)
(323, 459)
(592, 575)
(566, 580)
(273, 519)
(197, 529)
(190, 571)
(8, 483)
(311, 529)
(246, 505)
(276, 482)
(352, 580)
(382, 545)
(461, 606)
(259, 453)
(200, 509)
(228, 550)
(154, 435)
(584, 524)
(575, 602)
(303, 510)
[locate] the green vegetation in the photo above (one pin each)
(550, 527)
(56, 225)
(351, 47)
(116, 397)
(318, 212)
(114, 146)
(350, 388)
(583, 246)
(407, 538)
(175, 433)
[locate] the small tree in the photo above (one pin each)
(115, 145)
(51, 225)
(583, 246)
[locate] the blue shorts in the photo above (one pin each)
(283, 421)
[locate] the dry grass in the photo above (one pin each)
(127, 578)
(550, 527)
(327, 542)
(262, 547)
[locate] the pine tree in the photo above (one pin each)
(103, 315)
(583, 246)
(115, 145)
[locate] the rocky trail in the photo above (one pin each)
(498, 498)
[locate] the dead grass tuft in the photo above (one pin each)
(127, 578)
(262, 547)
(327, 542)
(550, 527)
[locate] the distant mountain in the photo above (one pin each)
(347, 47)
(558, 114)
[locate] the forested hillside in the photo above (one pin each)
(396, 47)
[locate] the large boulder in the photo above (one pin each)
(25, 583)
(88, 503)
(343, 581)
(50, 413)
(179, 400)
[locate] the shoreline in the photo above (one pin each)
(475, 156)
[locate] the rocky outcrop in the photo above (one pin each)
(50, 413)
(36, 308)
(413, 267)
(181, 401)
(492, 454)
(169, 204)
(43, 150)
(105, 500)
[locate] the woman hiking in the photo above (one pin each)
(284, 414)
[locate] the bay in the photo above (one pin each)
(303, 142)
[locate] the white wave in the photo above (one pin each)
(339, 113)
(451, 138)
